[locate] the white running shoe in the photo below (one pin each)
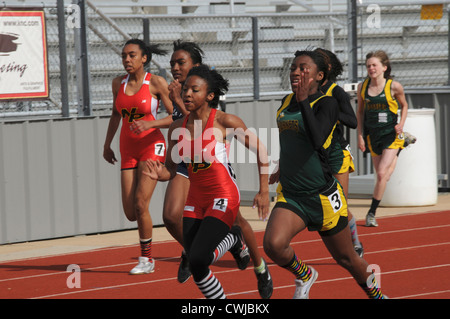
(409, 138)
(143, 267)
(302, 288)
(371, 220)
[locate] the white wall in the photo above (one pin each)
(54, 181)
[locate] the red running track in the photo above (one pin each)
(412, 252)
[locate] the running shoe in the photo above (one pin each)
(239, 249)
(184, 273)
(409, 138)
(370, 220)
(359, 250)
(143, 267)
(265, 285)
(302, 288)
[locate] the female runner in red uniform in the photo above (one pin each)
(185, 56)
(213, 200)
(136, 100)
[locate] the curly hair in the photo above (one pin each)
(320, 60)
(217, 84)
(336, 65)
(192, 48)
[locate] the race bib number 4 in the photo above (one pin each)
(220, 204)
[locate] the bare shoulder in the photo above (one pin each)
(158, 81)
(396, 86)
(116, 82)
(359, 87)
(397, 89)
(177, 123)
(228, 120)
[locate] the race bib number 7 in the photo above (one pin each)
(159, 149)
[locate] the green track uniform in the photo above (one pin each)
(307, 186)
(380, 119)
(340, 157)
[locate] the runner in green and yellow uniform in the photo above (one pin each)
(379, 101)
(341, 158)
(308, 194)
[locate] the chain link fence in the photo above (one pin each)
(229, 43)
(415, 37)
(253, 51)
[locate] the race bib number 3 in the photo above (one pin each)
(335, 201)
(220, 204)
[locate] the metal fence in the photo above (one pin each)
(53, 179)
(252, 51)
(415, 37)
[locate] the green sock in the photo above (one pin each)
(260, 269)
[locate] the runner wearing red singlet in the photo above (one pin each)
(136, 99)
(140, 106)
(185, 56)
(201, 140)
(207, 197)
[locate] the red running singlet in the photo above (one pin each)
(149, 144)
(213, 190)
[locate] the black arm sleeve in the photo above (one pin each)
(346, 114)
(319, 120)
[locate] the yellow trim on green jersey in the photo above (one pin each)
(286, 103)
(330, 89)
(392, 102)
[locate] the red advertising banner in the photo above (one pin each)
(23, 55)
